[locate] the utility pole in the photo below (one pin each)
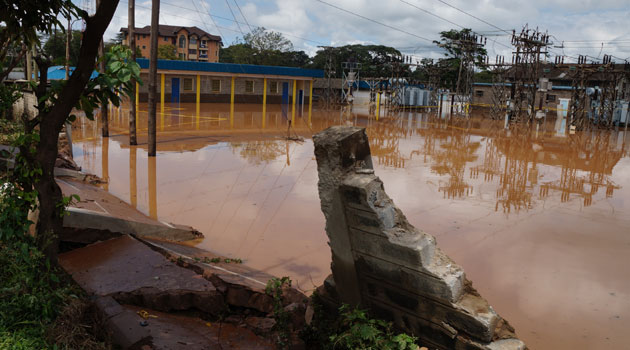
(68, 40)
(155, 23)
(105, 105)
(132, 45)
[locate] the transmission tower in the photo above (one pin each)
(350, 76)
(530, 49)
(469, 45)
(329, 74)
(499, 93)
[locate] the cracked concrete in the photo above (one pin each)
(382, 262)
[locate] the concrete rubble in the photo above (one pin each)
(382, 262)
(156, 295)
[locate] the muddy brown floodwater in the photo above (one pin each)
(539, 220)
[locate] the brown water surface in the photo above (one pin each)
(538, 219)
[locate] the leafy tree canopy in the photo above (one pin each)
(55, 47)
(167, 52)
(263, 40)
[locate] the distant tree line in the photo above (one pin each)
(265, 47)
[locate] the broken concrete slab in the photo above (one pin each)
(130, 272)
(161, 331)
(100, 210)
(79, 218)
(241, 285)
(382, 262)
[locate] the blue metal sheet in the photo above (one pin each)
(59, 73)
(192, 66)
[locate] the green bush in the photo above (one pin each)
(352, 329)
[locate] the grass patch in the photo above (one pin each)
(40, 307)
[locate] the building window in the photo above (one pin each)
(144, 46)
(144, 36)
(192, 51)
(551, 98)
(249, 86)
(188, 84)
(182, 41)
(193, 40)
(165, 39)
(204, 44)
(273, 87)
(478, 93)
(216, 85)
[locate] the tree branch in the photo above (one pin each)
(13, 64)
(69, 96)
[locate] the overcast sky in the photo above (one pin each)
(583, 25)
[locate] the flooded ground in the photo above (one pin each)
(538, 219)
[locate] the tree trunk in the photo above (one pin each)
(49, 193)
(155, 22)
(132, 45)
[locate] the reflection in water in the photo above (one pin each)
(507, 205)
(133, 184)
(105, 161)
(152, 188)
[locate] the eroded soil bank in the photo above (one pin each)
(538, 219)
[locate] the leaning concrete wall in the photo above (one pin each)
(382, 262)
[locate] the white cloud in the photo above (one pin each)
(567, 20)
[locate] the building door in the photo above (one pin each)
(285, 100)
(175, 90)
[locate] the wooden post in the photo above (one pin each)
(105, 105)
(131, 41)
(155, 22)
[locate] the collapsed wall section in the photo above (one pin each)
(383, 263)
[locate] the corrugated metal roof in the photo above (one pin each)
(192, 66)
(59, 73)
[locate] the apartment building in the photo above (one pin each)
(192, 43)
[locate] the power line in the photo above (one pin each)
(444, 19)
(204, 22)
(203, 4)
(239, 10)
(212, 16)
(374, 21)
(232, 12)
(431, 13)
(473, 16)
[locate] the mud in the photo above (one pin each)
(551, 207)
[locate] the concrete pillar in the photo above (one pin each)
(162, 95)
(264, 106)
(310, 102)
(232, 103)
(294, 101)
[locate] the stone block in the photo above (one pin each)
(452, 318)
(507, 344)
(413, 254)
(410, 280)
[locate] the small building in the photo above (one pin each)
(482, 94)
(192, 43)
(204, 82)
